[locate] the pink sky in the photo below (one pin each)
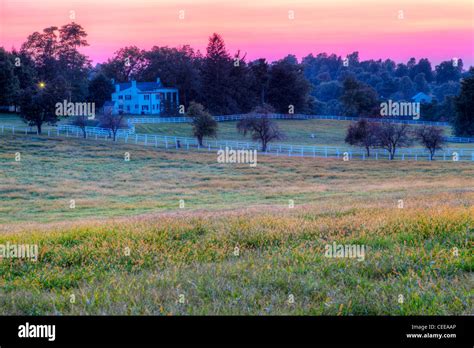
(436, 29)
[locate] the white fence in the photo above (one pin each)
(94, 130)
(227, 118)
(154, 120)
(186, 143)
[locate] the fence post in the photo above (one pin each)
(146, 140)
(209, 147)
(136, 138)
(156, 141)
(314, 151)
(326, 152)
(166, 141)
(376, 155)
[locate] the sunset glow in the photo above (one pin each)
(439, 30)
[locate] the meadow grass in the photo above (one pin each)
(298, 132)
(423, 251)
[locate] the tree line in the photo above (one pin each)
(49, 68)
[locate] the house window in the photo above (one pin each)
(146, 97)
(128, 107)
(144, 107)
(136, 106)
(121, 107)
(120, 96)
(128, 97)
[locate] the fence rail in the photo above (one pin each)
(237, 117)
(186, 143)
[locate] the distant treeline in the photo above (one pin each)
(228, 83)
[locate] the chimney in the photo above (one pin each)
(134, 83)
(158, 81)
(117, 88)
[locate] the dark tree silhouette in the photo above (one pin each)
(362, 133)
(203, 123)
(464, 104)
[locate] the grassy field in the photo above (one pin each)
(236, 247)
(326, 132)
(298, 132)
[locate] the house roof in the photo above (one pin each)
(421, 96)
(143, 86)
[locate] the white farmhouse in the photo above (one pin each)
(144, 98)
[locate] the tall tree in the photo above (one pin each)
(176, 67)
(406, 88)
(288, 88)
(464, 103)
(261, 73)
(359, 99)
(43, 49)
(55, 53)
(127, 63)
(38, 103)
(449, 71)
(100, 90)
(422, 67)
(216, 77)
(74, 66)
(421, 85)
(242, 80)
(9, 83)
